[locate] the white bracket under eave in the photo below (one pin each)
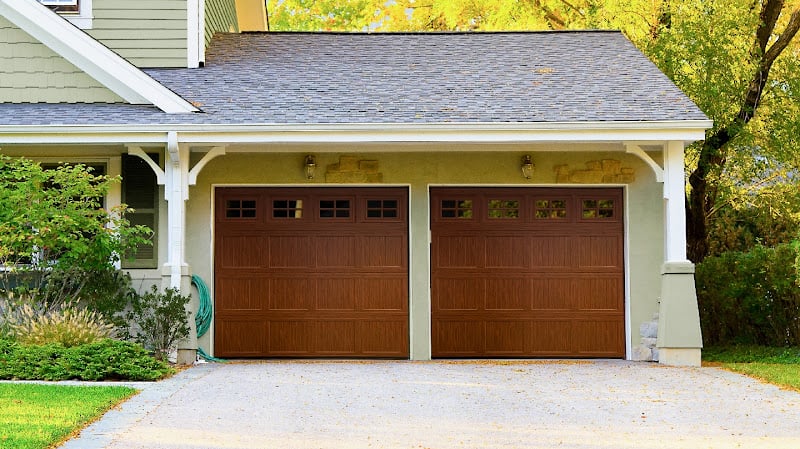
(195, 171)
(638, 151)
(139, 152)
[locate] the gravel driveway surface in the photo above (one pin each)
(437, 405)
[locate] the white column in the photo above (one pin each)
(679, 339)
(675, 204)
(176, 192)
(114, 195)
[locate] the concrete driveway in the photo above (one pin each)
(517, 404)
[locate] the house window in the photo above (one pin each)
(598, 209)
(240, 209)
(457, 209)
(140, 192)
(78, 12)
(382, 208)
(287, 209)
(334, 209)
(503, 208)
(62, 5)
(551, 209)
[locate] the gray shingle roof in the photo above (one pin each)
(308, 78)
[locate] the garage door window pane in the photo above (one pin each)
(334, 209)
(240, 209)
(457, 209)
(551, 209)
(503, 209)
(382, 209)
(598, 209)
(287, 209)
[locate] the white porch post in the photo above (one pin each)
(679, 339)
(176, 192)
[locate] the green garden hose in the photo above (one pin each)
(204, 315)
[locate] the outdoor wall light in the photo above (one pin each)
(311, 166)
(527, 166)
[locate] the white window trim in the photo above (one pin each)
(81, 19)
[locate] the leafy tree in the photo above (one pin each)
(55, 232)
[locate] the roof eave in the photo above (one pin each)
(641, 131)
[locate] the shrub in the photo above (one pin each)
(158, 320)
(103, 360)
(67, 327)
(750, 297)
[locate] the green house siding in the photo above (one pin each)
(148, 33)
(32, 73)
(220, 18)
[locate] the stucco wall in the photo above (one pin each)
(445, 165)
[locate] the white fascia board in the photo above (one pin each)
(92, 57)
(584, 132)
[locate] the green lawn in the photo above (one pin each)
(34, 416)
(779, 366)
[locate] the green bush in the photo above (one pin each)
(103, 360)
(158, 320)
(67, 326)
(750, 297)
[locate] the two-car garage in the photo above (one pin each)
(324, 272)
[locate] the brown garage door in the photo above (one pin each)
(527, 272)
(311, 272)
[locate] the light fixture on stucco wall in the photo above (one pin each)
(527, 166)
(310, 166)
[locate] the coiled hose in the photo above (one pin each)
(205, 314)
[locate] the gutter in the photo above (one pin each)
(645, 131)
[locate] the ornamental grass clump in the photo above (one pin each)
(67, 326)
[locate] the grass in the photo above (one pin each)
(36, 416)
(779, 366)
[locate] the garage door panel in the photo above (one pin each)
(335, 337)
(240, 337)
(382, 251)
(507, 251)
(550, 337)
(599, 338)
(290, 252)
(382, 338)
(504, 338)
(292, 293)
(507, 293)
(335, 251)
(336, 293)
(243, 251)
(460, 251)
(552, 293)
(242, 293)
(383, 294)
(599, 251)
(598, 293)
(330, 281)
(549, 251)
(457, 338)
(290, 338)
(464, 293)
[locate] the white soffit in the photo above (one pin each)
(95, 59)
